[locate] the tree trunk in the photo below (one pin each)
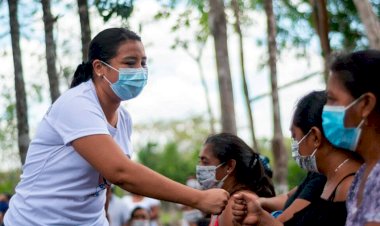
(207, 95)
(218, 27)
(279, 152)
(21, 103)
(236, 9)
(370, 21)
(85, 27)
(320, 17)
(50, 50)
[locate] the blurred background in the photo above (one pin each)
(237, 66)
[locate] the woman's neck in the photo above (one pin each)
(109, 105)
(369, 145)
(334, 162)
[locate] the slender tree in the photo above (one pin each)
(320, 17)
(50, 49)
(218, 27)
(198, 59)
(21, 103)
(371, 22)
(85, 27)
(237, 12)
(278, 147)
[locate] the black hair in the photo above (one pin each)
(308, 111)
(137, 208)
(104, 46)
(359, 73)
(249, 171)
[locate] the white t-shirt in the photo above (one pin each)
(57, 186)
(118, 212)
(146, 203)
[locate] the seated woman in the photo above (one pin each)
(228, 162)
(314, 153)
(139, 217)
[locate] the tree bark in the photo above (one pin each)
(85, 27)
(370, 21)
(320, 17)
(236, 10)
(50, 50)
(21, 102)
(279, 152)
(207, 95)
(218, 26)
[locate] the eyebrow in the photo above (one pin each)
(133, 58)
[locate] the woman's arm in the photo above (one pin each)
(104, 154)
(277, 202)
(296, 206)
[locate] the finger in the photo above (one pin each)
(239, 207)
(239, 213)
(240, 201)
(248, 196)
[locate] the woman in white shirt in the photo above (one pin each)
(83, 145)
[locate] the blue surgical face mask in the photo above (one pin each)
(130, 83)
(335, 131)
(206, 177)
(308, 163)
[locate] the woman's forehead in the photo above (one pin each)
(207, 153)
(131, 48)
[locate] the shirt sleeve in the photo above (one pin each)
(77, 117)
(313, 188)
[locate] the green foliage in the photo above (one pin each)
(170, 161)
(192, 16)
(8, 122)
(174, 151)
(121, 8)
(295, 174)
(296, 28)
(9, 181)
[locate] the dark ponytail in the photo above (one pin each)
(82, 74)
(104, 46)
(249, 171)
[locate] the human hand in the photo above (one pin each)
(246, 209)
(213, 201)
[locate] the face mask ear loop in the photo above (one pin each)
(221, 164)
(109, 66)
(107, 79)
(354, 102)
(304, 137)
(361, 123)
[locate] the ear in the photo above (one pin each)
(98, 67)
(231, 164)
(316, 135)
(368, 104)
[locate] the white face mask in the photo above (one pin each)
(140, 223)
(206, 177)
(308, 163)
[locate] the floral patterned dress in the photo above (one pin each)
(369, 209)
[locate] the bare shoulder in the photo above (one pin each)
(343, 189)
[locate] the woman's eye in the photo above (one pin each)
(131, 63)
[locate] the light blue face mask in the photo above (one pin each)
(335, 131)
(130, 83)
